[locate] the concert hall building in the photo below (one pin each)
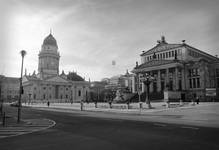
(179, 67)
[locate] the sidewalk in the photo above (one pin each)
(204, 114)
(116, 108)
(103, 107)
(12, 128)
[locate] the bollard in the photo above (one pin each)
(140, 105)
(128, 105)
(168, 104)
(95, 104)
(4, 120)
(181, 102)
(82, 106)
(110, 104)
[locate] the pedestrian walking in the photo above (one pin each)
(197, 100)
(48, 103)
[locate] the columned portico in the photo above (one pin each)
(179, 67)
(164, 75)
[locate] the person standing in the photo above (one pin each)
(48, 103)
(197, 100)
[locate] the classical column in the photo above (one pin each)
(151, 85)
(133, 84)
(176, 79)
(143, 87)
(167, 77)
(183, 74)
(158, 81)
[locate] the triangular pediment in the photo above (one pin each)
(161, 47)
(57, 79)
(156, 63)
(24, 79)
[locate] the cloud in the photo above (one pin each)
(90, 34)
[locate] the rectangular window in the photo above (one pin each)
(166, 54)
(180, 84)
(163, 55)
(169, 54)
(160, 56)
(217, 82)
(154, 86)
(172, 53)
(194, 83)
(190, 83)
(171, 85)
(190, 72)
(217, 72)
(162, 85)
(198, 83)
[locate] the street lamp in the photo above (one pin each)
(23, 53)
(147, 81)
(29, 98)
(1, 99)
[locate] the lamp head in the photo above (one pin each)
(23, 53)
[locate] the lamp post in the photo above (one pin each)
(147, 81)
(1, 100)
(29, 98)
(139, 92)
(23, 53)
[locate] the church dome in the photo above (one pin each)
(50, 40)
(74, 77)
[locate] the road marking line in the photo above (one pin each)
(185, 127)
(159, 124)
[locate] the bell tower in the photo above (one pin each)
(48, 65)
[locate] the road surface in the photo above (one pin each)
(79, 130)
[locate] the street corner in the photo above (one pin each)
(26, 126)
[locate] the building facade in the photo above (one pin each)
(122, 82)
(48, 84)
(9, 88)
(179, 67)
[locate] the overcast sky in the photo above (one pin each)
(92, 33)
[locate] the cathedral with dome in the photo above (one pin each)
(51, 85)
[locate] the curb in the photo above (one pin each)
(28, 122)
